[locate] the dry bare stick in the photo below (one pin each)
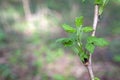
(95, 21)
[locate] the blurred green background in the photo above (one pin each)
(29, 29)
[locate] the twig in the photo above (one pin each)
(95, 21)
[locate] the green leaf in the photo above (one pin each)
(86, 56)
(101, 10)
(101, 42)
(105, 2)
(68, 28)
(87, 29)
(65, 41)
(79, 21)
(98, 2)
(81, 56)
(96, 78)
(90, 47)
(97, 41)
(91, 39)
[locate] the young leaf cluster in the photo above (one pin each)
(76, 41)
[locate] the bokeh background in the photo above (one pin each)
(29, 29)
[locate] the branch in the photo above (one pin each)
(95, 21)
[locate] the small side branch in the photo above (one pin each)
(95, 22)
